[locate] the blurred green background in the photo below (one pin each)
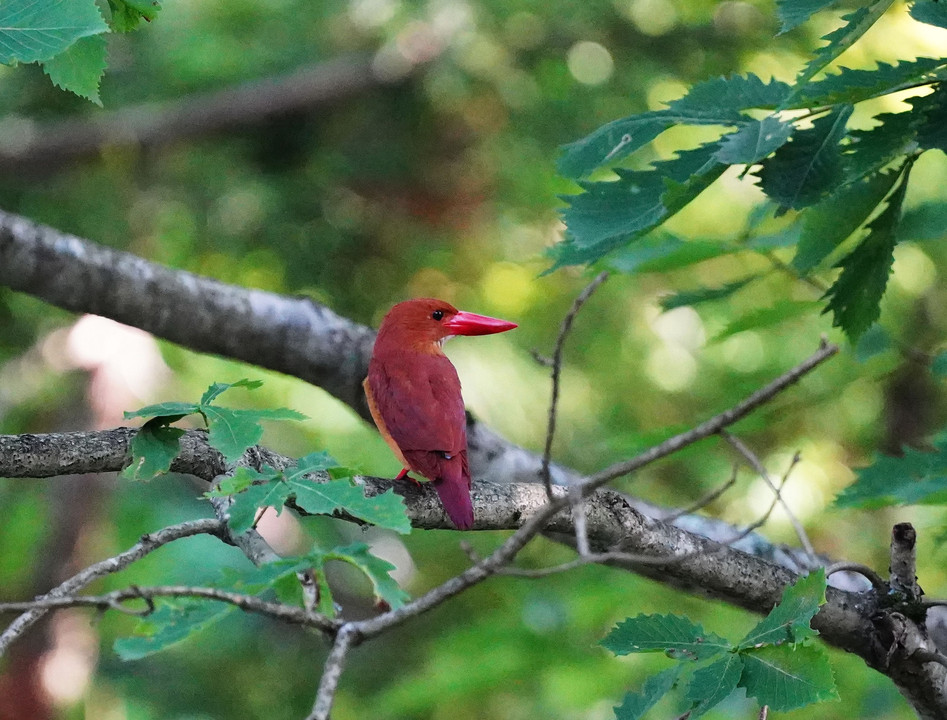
(440, 181)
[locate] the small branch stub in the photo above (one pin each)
(904, 561)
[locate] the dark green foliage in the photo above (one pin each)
(855, 297)
(805, 169)
(932, 12)
(773, 661)
(917, 477)
(795, 12)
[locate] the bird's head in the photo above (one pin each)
(425, 324)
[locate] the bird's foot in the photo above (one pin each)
(403, 475)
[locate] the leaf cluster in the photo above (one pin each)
(68, 37)
(773, 662)
(795, 141)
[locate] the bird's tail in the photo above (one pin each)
(455, 497)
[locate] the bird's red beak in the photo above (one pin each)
(465, 323)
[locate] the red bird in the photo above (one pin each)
(414, 395)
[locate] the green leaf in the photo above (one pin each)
(386, 510)
(377, 570)
(788, 622)
(175, 410)
(754, 141)
(663, 253)
(870, 151)
(857, 24)
(169, 624)
(611, 214)
(826, 225)
(793, 13)
(712, 684)
(32, 31)
(855, 297)
(79, 69)
(272, 492)
(231, 431)
(767, 317)
(914, 478)
(674, 635)
(932, 13)
(809, 165)
(215, 390)
(854, 86)
(242, 478)
(931, 125)
(785, 678)
(128, 14)
(153, 449)
(612, 142)
(718, 100)
(655, 687)
(702, 295)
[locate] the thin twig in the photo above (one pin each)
(704, 500)
(144, 546)
(557, 369)
(877, 582)
(757, 465)
(332, 671)
(116, 600)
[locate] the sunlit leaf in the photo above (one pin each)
(31, 31)
(177, 410)
(785, 678)
(788, 622)
(674, 635)
(215, 390)
(720, 99)
(635, 705)
(853, 86)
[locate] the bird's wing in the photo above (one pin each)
(420, 403)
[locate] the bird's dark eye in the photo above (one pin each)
(438, 315)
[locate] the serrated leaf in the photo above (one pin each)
(242, 478)
(854, 86)
(917, 477)
(702, 295)
(754, 141)
(175, 620)
(712, 684)
(720, 99)
(377, 570)
(785, 678)
(33, 31)
(168, 625)
(153, 449)
(856, 25)
(809, 165)
(611, 214)
(855, 296)
(789, 621)
(766, 317)
(663, 253)
(128, 14)
(793, 13)
(635, 705)
(826, 225)
(175, 410)
(243, 511)
(215, 390)
(932, 123)
(79, 69)
(386, 510)
(932, 13)
(611, 142)
(231, 431)
(674, 635)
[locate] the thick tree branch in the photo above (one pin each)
(43, 148)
